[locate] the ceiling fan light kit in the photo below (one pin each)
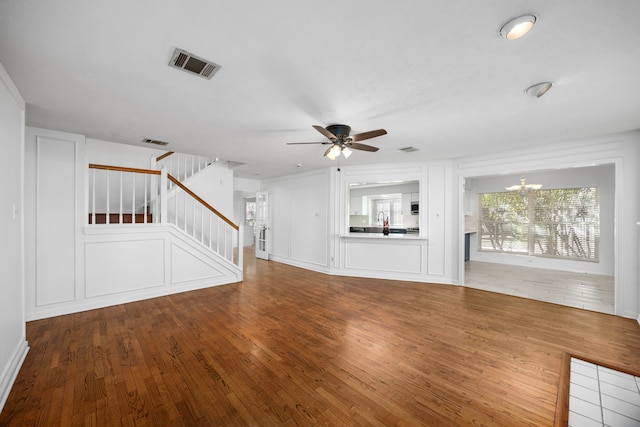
(342, 142)
(333, 152)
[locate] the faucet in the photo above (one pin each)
(378, 218)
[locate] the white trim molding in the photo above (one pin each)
(9, 376)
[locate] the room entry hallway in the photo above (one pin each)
(580, 290)
(288, 346)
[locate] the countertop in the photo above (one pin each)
(390, 236)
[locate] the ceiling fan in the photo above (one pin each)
(342, 142)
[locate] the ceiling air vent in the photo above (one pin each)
(154, 141)
(408, 149)
(186, 61)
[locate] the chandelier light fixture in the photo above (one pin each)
(523, 189)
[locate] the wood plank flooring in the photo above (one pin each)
(290, 347)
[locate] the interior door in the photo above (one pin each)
(262, 225)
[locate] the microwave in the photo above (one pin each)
(415, 208)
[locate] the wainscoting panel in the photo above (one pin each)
(381, 255)
(123, 266)
(55, 221)
(188, 267)
(436, 226)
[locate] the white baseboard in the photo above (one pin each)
(11, 373)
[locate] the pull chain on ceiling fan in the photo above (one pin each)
(341, 142)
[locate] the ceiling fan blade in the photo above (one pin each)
(299, 143)
(363, 147)
(326, 133)
(366, 135)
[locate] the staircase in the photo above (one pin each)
(144, 219)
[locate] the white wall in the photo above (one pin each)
(299, 219)
(54, 217)
(637, 189)
(310, 224)
(13, 343)
(621, 150)
(124, 155)
(214, 185)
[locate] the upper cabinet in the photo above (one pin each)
(406, 203)
(356, 207)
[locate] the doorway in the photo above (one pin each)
(262, 225)
(568, 281)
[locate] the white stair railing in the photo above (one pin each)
(119, 195)
(181, 166)
(195, 217)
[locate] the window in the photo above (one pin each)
(557, 223)
(387, 208)
(250, 213)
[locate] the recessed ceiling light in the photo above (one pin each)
(539, 89)
(518, 27)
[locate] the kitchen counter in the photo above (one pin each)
(372, 229)
(390, 236)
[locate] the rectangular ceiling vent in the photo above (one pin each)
(408, 149)
(192, 64)
(155, 141)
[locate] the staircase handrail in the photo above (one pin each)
(205, 204)
(165, 155)
(207, 229)
(123, 169)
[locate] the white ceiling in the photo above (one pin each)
(435, 74)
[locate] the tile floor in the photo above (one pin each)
(587, 291)
(600, 396)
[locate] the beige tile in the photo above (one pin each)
(581, 290)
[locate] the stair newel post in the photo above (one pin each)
(240, 244)
(154, 192)
(163, 197)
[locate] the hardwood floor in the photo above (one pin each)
(581, 290)
(289, 346)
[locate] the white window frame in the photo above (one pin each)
(568, 230)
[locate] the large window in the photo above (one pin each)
(387, 208)
(250, 214)
(557, 223)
